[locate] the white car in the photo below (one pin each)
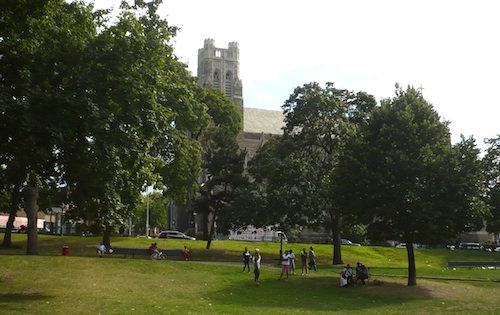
(497, 249)
(175, 234)
(344, 241)
(470, 246)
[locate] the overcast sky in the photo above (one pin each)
(449, 48)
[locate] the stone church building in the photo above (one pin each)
(220, 68)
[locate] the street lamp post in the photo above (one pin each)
(195, 224)
(281, 248)
(147, 215)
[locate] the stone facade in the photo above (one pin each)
(220, 68)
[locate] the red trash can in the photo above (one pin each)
(65, 250)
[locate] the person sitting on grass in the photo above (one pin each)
(362, 273)
(101, 250)
(346, 276)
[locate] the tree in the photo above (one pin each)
(40, 43)
(137, 111)
(103, 108)
(282, 183)
(223, 162)
(156, 203)
(491, 167)
(411, 184)
(299, 168)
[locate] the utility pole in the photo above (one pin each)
(147, 215)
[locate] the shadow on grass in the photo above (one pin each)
(15, 302)
(313, 293)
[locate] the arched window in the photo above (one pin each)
(216, 80)
(228, 88)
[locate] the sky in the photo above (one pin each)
(449, 48)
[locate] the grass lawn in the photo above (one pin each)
(82, 283)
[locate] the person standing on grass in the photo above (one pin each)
(246, 259)
(285, 264)
(312, 259)
(292, 261)
(303, 256)
(257, 259)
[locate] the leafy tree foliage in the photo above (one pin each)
(157, 205)
(411, 184)
(491, 166)
(298, 170)
(40, 42)
(223, 162)
(102, 107)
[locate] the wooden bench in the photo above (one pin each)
(144, 251)
(471, 264)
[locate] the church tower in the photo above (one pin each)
(220, 68)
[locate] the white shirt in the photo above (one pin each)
(256, 261)
(286, 260)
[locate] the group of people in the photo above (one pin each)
(308, 259)
(256, 259)
(348, 278)
(287, 262)
(153, 249)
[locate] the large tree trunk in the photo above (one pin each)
(14, 207)
(337, 248)
(206, 224)
(30, 193)
(412, 270)
(106, 238)
(211, 230)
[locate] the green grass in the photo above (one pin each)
(84, 284)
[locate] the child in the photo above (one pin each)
(185, 253)
(246, 259)
(101, 249)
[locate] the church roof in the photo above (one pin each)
(263, 121)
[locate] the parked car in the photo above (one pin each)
(497, 249)
(470, 246)
(344, 241)
(174, 234)
(22, 229)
